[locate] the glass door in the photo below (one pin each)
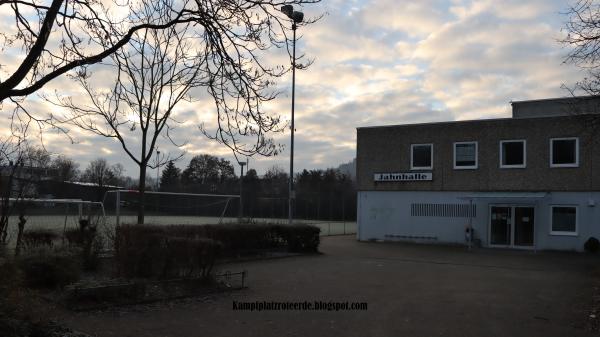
(500, 225)
(512, 226)
(524, 226)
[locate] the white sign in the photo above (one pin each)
(406, 176)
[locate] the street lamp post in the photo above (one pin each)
(241, 189)
(296, 18)
(157, 169)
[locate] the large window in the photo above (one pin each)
(564, 152)
(421, 156)
(465, 155)
(564, 220)
(513, 154)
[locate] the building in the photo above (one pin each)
(529, 181)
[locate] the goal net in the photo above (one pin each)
(170, 208)
(57, 215)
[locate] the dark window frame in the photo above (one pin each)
(466, 167)
(572, 164)
(502, 156)
(412, 166)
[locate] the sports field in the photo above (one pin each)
(60, 222)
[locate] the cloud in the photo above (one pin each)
(383, 62)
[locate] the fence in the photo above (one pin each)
(333, 216)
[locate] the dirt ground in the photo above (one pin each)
(411, 290)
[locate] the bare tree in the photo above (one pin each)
(154, 72)
(57, 36)
(22, 166)
(101, 173)
(65, 169)
(157, 69)
(54, 37)
(583, 36)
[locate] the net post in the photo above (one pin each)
(223, 213)
(65, 224)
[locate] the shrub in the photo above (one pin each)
(45, 268)
(35, 238)
(176, 250)
(10, 284)
(301, 238)
(163, 251)
(186, 256)
(86, 237)
(592, 245)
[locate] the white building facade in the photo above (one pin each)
(527, 182)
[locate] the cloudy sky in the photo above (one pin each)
(391, 62)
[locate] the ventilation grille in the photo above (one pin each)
(443, 210)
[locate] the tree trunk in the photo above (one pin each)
(141, 193)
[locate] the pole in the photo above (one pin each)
(291, 177)
(241, 190)
(157, 169)
(470, 223)
(118, 206)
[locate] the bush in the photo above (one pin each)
(592, 245)
(36, 238)
(185, 256)
(151, 250)
(86, 237)
(47, 268)
(301, 238)
(155, 251)
(10, 286)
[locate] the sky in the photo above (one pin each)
(384, 62)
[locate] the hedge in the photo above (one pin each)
(150, 251)
(181, 250)
(49, 268)
(35, 238)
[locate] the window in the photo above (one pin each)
(564, 152)
(564, 220)
(465, 155)
(513, 154)
(443, 210)
(421, 156)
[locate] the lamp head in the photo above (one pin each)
(297, 17)
(288, 10)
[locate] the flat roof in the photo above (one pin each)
(496, 119)
(569, 98)
(483, 120)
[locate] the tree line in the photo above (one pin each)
(320, 194)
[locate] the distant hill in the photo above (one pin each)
(349, 168)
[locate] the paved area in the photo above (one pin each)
(411, 290)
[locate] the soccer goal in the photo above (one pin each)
(170, 208)
(57, 215)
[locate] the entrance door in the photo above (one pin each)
(512, 226)
(500, 228)
(524, 226)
